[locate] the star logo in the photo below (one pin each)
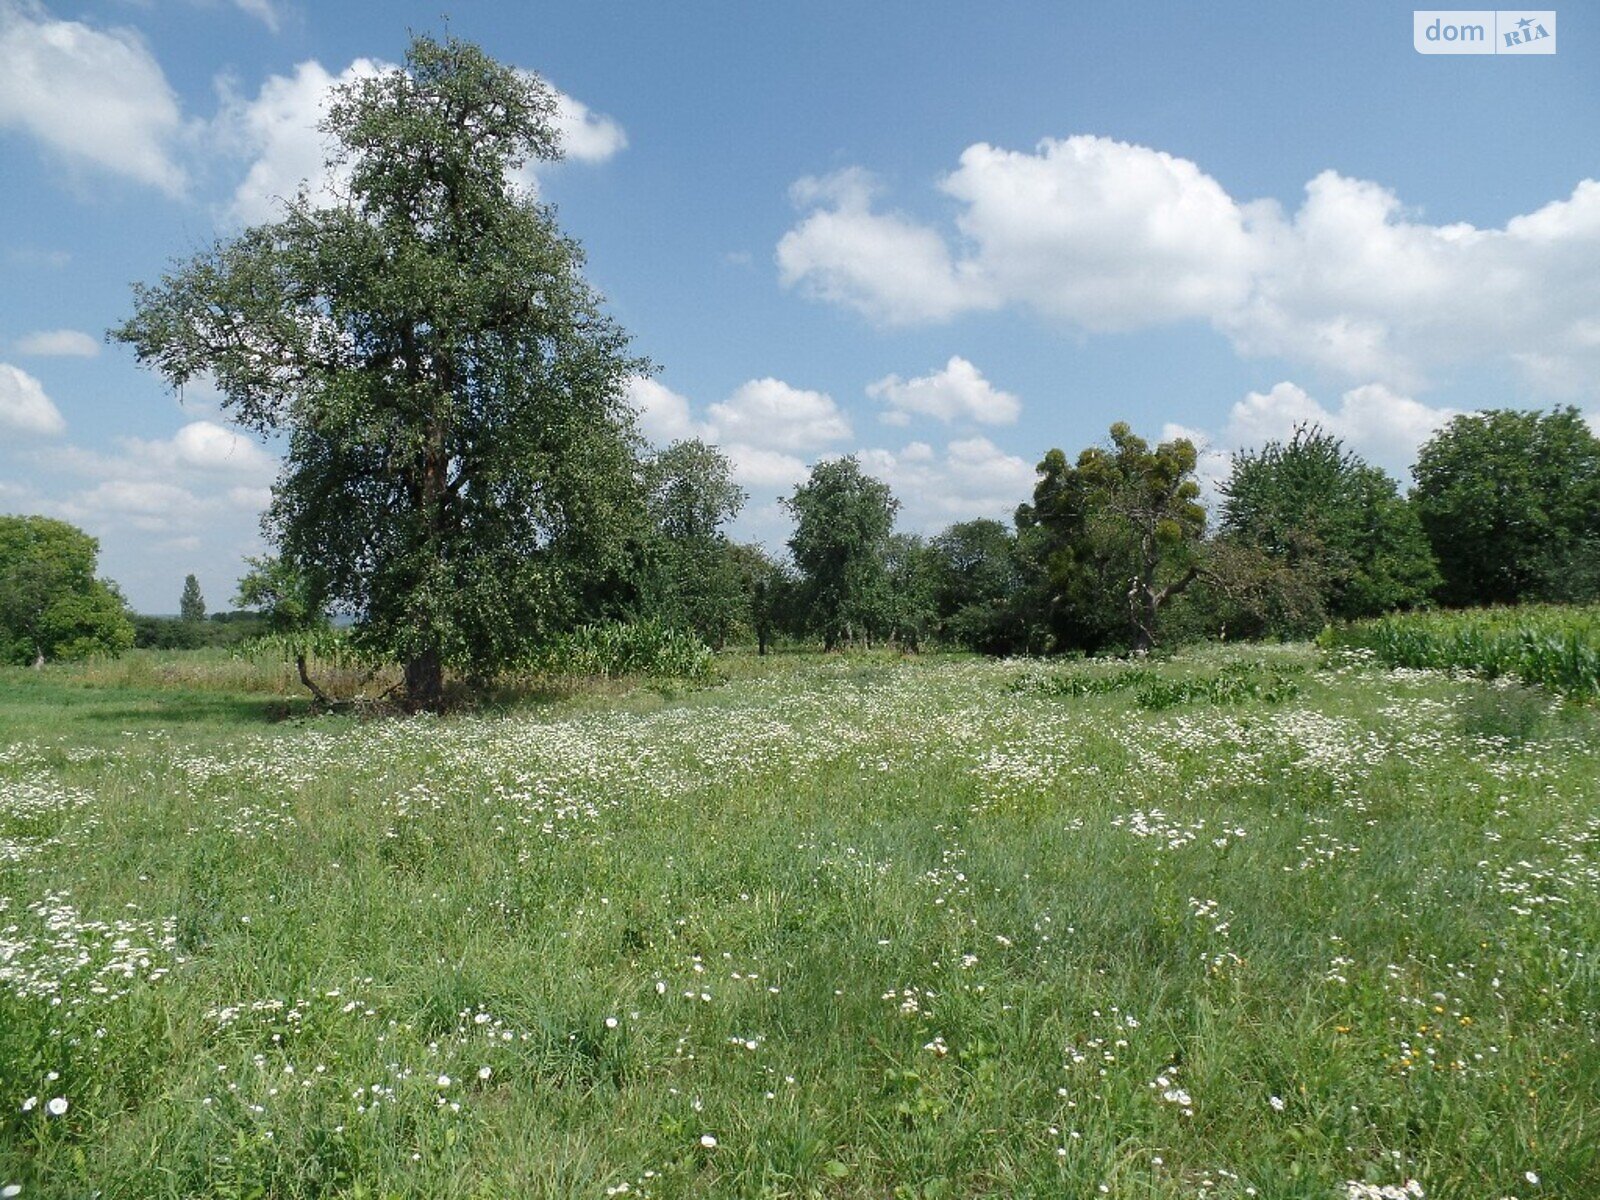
(1524, 23)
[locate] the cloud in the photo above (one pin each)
(58, 343)
(972, 478)
(262, 10)
(763, 470)
(147, 505)
(24, 407)
(200, 448)
(765, 427)
(251, 499)
(663, 413)
(90, 95)
(885, 266)
(1383, 427)
(1100, 235)
(586, 136)
(277, 130)
(771, 414)
(958, 391)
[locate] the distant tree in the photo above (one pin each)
(191, 605)
(691, 495)
(51, 604)
(768, 588)
(460, 455)
(1121, 537)
(1316, 510)
(843, 519)
(980, 590)
(911, 569)
(1511, 503)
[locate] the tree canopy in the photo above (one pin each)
(1511, 503)
(1122, 530)
(51, 604)
(843, 522)
(1315, 508)
(697, 580)
(460, 456)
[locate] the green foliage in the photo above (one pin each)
(1098, 681)
(989, 591)
(1548, 646)
(843, 522)
(768, 588)
(1511, 503)
(1235, 683)
(616, 649)
(51, 605)
(1121, 534)
(460, 460)
(1316, 510)
(911, 569)
(191, 605)
(218, 630)
(695, 577)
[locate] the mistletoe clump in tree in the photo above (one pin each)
(460, 459)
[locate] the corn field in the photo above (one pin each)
(1550, 646)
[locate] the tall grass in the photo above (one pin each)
(1549, 646)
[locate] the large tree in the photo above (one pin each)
(843, 521)
(460, 458)
(1123, 529)
(1317, 510)
(51, 604)
(1511, 503)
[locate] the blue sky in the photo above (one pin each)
(945, 237)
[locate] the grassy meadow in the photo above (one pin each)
(1252, 922)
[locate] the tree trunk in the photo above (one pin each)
(318, 696)
(38, 659)
(425, 683)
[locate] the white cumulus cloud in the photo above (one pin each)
(586, 136)
(94, 96)
(971, 478)
(664, 415)
(24, 407)
(1105, 235)
(883, 265)
(957, 391)
(766, 427)
(775, 415)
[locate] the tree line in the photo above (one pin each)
(464, 480)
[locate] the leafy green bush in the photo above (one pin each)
(1549, 646)
(1234, 684)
